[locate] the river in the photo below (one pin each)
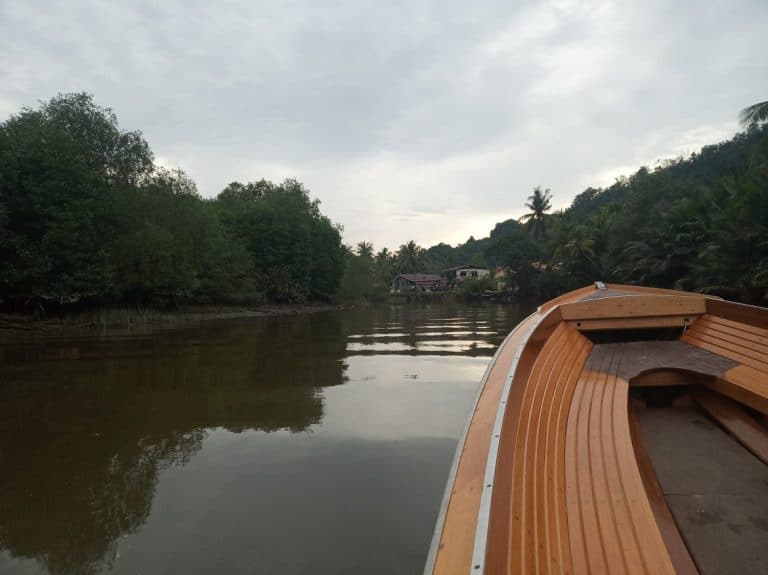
(311, 444)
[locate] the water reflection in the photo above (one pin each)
(229, 445)
(421, 330)
(458, 346)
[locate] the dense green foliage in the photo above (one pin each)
(86, 215)
(698, 223)
(474, 288)
(754, 114)
(539, 204)
(367, 274)
(295, 250)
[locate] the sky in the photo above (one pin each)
(427, 121)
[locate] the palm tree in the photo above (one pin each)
(754, 114)
(385, 260)
(384, 265)
(365, 250)
(408, 258)
(578, 248)
(575, 252)
(538, 203)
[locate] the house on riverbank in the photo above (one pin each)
(416, 282)
(452, 277)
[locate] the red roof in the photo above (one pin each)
(422, 279)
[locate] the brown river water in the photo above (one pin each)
(312, 444)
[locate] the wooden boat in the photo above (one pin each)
(618, 429)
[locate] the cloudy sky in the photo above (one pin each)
(423, 120)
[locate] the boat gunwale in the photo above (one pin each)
(448, 492)
(544, 311)
(480, 545)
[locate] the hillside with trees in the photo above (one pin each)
(698, 223)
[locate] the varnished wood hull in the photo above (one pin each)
(551, 474)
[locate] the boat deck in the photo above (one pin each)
(716, 489)
(550, 476)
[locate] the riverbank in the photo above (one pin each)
(105, 318)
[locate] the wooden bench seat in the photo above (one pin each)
(578, 502)
(611, 524)
(732, 416)
(538, 526)
(744, 344)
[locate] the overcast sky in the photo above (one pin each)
(409, 120)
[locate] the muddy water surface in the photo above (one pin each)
(316, 444)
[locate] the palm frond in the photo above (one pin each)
(754, 114)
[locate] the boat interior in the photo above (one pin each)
(618, 429)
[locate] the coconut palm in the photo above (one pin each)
(364, 250)
(384, 255)
(575, 253)
(384, 266)
(754, 114)
(409, 258)
(539, 203)
(578, 248)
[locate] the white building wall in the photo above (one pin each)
(471, 273)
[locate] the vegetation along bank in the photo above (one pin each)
(88, 219)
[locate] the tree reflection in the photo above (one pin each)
(86, 426)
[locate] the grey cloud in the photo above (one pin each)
(445, 112)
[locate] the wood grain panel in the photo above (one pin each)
(746, 385)
(567, 297)
(657, 291)
(742, 313)
(612, 527)
(738, 422)
(538, 536)
(745, 344)
(632, 307)
(633, 323)
(454, 553)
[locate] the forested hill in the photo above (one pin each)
(696, 223)
(444, 256)
(700, 168)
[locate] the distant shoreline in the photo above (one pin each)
(105, 318)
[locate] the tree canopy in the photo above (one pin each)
(86, 215)
(698, 223)
(754, 114)
(539, 203)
